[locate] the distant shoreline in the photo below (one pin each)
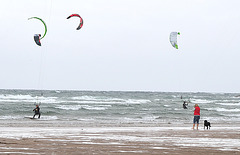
(130, 91)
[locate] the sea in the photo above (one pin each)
(115, 108)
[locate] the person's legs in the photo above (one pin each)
(194, 121)
(198, 118)
(39, 115)
(34, 115)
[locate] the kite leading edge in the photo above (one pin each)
(37, 37)
(81, 20)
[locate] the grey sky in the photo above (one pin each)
(123, 45)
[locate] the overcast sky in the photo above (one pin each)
(123, 45)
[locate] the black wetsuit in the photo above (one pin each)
(185, 105)
(37, 112)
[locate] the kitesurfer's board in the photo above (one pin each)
(30, 117)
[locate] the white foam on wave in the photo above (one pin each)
(10, 117)
(94, 107)
(232, 115)
(94, 98)
(167, 105)
(27, 99)
(137, 101)
(43, 118)
(229, 104)
(48, 118)
(69, 107)
(223, 109)
(80, 100)
(128, 102)
(199, 101)
(16, 96)
(110, 100)
(94, 102)
(78, 107)
(222, 119)
(47, 99)
(30, 101)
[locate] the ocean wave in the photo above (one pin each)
(199, 101)
(19, 97)
(69, 107)
(110, 100)
(86, 119)
(99, 101)
(223, 109)
(19, 117)
(137, 101)
(219, 119)
(96, 98)
(43, 117)
(49, 118)
(177, 109)
(27, 99)
(232, 115)
(127, 107)
(229, 104)
(57, 91)
(87, 107)
(30, 101)
(167, 105)
(10, 117)
(91, 102)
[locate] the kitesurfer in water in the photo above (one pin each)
(37, 111)
(185, 105)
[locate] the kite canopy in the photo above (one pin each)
(173, 39)
(81, 20)
(37, 37)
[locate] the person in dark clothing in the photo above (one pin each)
(37, 111)
(185, 105)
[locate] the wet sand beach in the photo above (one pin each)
(120, 140)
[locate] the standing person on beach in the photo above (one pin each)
(37, 111)
(196, 116)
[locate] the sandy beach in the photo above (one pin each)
(119, 140)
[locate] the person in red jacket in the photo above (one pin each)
(196, 116)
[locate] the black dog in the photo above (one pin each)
(207, 124)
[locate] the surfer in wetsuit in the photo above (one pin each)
(37, 111)
(185, 105)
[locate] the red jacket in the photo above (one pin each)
(197, 111)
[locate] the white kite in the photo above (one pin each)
(173, 39)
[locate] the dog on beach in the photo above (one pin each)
(207, 124)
